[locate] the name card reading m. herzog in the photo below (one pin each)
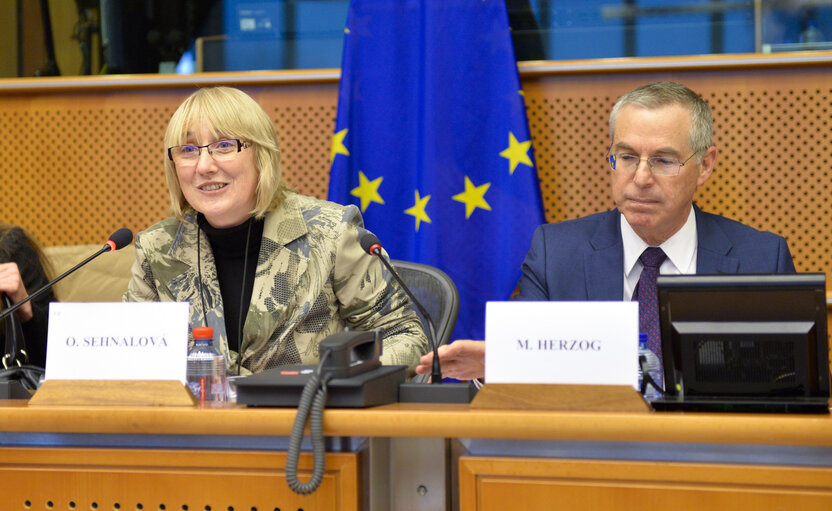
(562, 342)
(560, 345)
(117, 341)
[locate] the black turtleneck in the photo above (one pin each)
(229, 248)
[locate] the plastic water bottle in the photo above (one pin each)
(206, 367)
(654, 367)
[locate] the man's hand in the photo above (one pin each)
(11, 284)
(462, 359)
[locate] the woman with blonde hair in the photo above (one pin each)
(271, 271)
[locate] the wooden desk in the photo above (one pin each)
(232, 458)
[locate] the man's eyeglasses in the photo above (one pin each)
(659, 165)
(221, 150)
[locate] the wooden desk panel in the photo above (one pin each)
(156, 474)
(497, 484)
(428, 421)
(154, 479)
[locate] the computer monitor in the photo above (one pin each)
(744, 342)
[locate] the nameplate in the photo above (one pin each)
(117, 341)
(591, 343)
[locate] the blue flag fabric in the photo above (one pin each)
(432, 143)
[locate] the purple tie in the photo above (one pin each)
(648, 298)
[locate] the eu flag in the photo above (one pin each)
(432, 143)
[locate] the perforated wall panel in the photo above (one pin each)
(82, 164)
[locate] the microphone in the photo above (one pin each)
(118, 240)
(369, 242)
(417, 392)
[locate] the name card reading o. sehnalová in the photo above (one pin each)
(117, 341)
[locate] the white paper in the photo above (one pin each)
(117, 341)
(562, 342)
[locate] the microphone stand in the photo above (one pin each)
(118, 240)
(436, 372)
(410, 392)
(10, 310)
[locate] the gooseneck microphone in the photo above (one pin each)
(118, 240)
(370, 243)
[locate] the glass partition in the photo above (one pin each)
(186, 36)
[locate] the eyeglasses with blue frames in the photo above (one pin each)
(221, 150)
(627, 163)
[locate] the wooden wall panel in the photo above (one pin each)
(86, 163)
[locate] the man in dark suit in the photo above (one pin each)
(661, 150)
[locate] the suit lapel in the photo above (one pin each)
(713, 246)
(182, 278)
(281, 264)
(603, 265)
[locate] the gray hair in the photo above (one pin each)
(660, 94)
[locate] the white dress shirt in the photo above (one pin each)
(680, 249)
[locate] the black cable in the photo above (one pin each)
(199, 271)
(311, 406)
(242, 305)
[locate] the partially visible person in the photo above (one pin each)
(661, 150)
(462, 359)
(23, 267)
(271, 271)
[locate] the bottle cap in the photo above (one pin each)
(203, 332)
(642, 337)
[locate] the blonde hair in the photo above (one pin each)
(229, 113)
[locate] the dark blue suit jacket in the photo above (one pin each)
(583, 259)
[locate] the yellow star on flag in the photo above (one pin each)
(473, 197)
(367, 190)
(517, 152)
(338, 146)
(418, 209)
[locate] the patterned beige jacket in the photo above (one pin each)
(312, 280)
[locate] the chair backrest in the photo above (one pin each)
(437, 294)
(104, 279)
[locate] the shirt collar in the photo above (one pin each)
(680, 248)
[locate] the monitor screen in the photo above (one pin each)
(735, 337)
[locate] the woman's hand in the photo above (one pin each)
(462, 359)
(11, 284)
